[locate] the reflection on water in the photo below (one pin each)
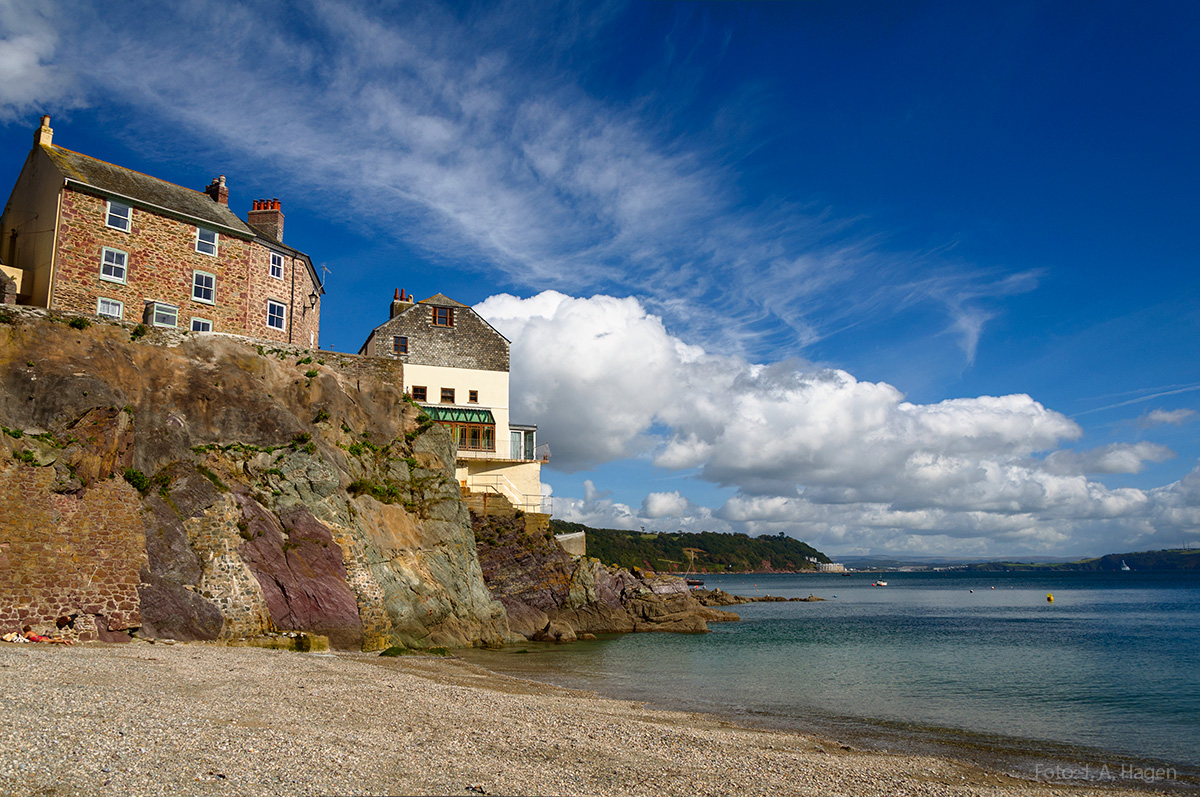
(1113, 663)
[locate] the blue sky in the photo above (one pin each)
(909, 278)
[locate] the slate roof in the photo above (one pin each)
(441, 300)
(145, 189)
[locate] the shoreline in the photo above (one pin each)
(207, 719)
(1018, 757)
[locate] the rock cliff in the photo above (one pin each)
(203, 487)
(552, 596)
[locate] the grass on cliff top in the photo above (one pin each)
(715, 552)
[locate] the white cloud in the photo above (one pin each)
(439, 124)
(811, 451)
(1115, 458)
(30, 80)
(661, 505)
(1159, 417)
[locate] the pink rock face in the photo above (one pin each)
(300, 570)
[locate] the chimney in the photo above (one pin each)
(401, 301)
(267, 219)
(44, 135)
(217, 190)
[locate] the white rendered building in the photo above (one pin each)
(456, 368)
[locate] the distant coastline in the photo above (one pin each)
(1164, 561)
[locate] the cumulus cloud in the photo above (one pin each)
(811, 451)
(661, 505)
(1160, 417)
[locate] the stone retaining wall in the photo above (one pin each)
(68, 561)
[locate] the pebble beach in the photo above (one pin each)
(206, 719)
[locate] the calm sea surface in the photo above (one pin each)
(1107, 673)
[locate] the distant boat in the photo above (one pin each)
(694, 582)
(1123, 565)
(879, 584)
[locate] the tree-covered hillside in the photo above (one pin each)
(1165, 560)
(713, 552)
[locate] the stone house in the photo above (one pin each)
(456, 368)
(83, 236)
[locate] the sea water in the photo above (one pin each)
(1108, 674)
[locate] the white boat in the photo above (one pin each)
(1124, 566)
(879, 584)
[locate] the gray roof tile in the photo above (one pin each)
(144, 188)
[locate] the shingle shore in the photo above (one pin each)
(198, 719)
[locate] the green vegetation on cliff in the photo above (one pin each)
(1164, 560)
(714, 552)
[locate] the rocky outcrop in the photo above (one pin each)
(551, 596)
(719, 597)
(204, 487)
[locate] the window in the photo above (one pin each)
(276, 314)
(161, 314)
(277, 265)
(475, 437)
(443, 316)
(447, 395)
(113, 265)
(119, 216)
(201, 325)
(419, 394)
(399, 345)
(473, 396)
(109, 308)
(206, 241)
(203, 286)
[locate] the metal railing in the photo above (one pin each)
(499, 484)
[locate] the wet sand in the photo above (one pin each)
(201, 719)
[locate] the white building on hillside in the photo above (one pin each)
(456, 368)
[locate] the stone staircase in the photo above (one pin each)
(497, 505)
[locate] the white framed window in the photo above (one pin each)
(119, 216)
(277, 265)
(276, 314)
(206, 241)
(201, 325)
(109, 308)
(204, 287)
(161, 314)
(114, 265)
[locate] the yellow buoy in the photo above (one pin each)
(1049, 599)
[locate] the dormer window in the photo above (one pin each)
(206, 241)
(119, 216)
(443, 316)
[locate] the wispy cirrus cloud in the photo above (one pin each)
(30, 78)
(471, 133)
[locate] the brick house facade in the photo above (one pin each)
(456, 368)
(83, 236)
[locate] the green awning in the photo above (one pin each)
(459, 414)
